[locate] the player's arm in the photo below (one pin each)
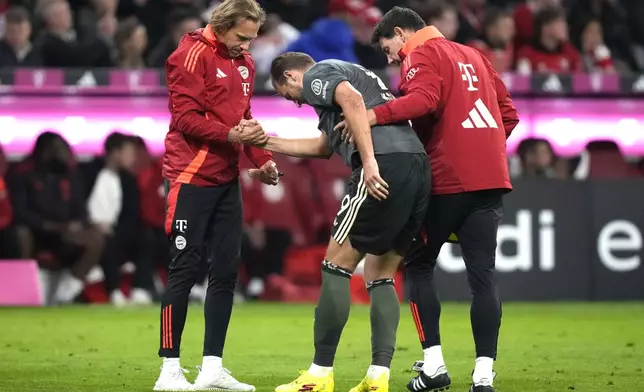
(317, 147)
(185, 73)
(509, 112)
(355, 114)
(422, 86)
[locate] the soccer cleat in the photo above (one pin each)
(484, 385)
(481, 388)
(308, 383)
(172, 380)
(425, 383)
(368, 384)
(219, 379)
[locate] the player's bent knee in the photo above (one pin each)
(381, 267)
(343, 255)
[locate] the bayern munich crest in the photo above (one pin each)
(243, 71)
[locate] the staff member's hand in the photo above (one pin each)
(248, 132)
(267, 174)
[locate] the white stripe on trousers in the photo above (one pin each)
(354, 205)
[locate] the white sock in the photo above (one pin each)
(319, 371)
(483, 374)
(171, 364)
(211, 362)
(434, 362)
(375, 372)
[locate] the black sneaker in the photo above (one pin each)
(424, 383)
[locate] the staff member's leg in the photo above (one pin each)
(445, 214)
(224, 249)
(478, 243)
(189, 209)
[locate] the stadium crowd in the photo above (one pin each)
(531, 35)
(73, 217)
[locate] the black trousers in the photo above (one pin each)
(474, 217)
(123, 245)
(9, 245)
(203, 223)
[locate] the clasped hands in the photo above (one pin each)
(251, 132)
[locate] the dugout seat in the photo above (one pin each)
(330, 178)
(607, 161)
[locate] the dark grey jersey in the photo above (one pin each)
(320, 82)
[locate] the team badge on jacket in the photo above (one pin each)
(243, 71)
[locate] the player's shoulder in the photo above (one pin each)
(189, 51)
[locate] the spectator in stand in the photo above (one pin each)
(9, 248)
(113, 207)
(154, 246)
(443, 16)
(595, 54)
(16, 49)
(524, 20)
(274, 37)
(496, 41)
(537, 159)
(180, 22)
(332, 37)
(131, 43)
(98, 19)
(368, 56)
(615, 32)
(551, 52)
(48, 200)
(62, 47)
(300, 14)
(471, 15)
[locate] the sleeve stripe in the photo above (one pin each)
(193, 54)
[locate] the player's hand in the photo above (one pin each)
(248, 132)
(376, 186)
(267, 174)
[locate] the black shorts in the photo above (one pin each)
(377, 227)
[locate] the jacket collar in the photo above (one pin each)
(418, 38)
(208, 35)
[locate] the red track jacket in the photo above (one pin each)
(209, 93)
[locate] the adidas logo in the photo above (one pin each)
(220, 74)
(552, 84)
(479, 117)
(638, 86)
(87, 80)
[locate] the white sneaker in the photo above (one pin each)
(118, 299)
(140, 297)
(198, 293)
(172, 379)
(68, 288)
(219, 379)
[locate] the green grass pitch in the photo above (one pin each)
(543, 347)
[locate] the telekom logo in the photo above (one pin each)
(469, 75)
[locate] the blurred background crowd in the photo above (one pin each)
(527, 36)
(94, 220)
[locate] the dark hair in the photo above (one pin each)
(288, 61)
(493, 15)
(125, 31)
(18, 14)
(403, 18)
(437, 9)
(545, 17)
(180, 15)
(116, 141)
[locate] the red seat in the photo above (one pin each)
(302, 265)
(607, 161)
(330, 180)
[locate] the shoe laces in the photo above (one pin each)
(178, 374)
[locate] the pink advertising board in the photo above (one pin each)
(85, 121)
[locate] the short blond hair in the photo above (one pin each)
(226, 15)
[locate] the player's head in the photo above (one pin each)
(236, 23)
(287, 75)
(395, 28)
